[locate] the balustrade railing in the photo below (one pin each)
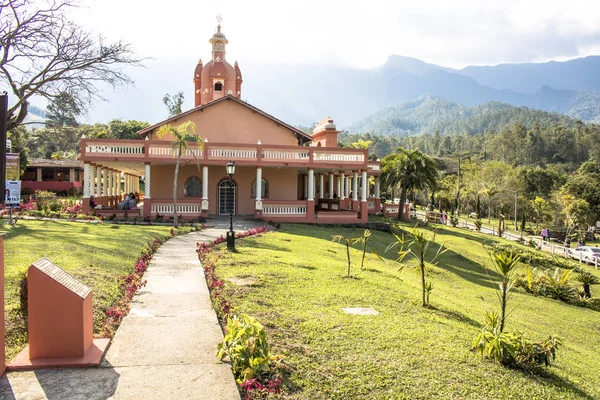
(292, 155)
(224, 153)
(296, 208)
(111, 150)
(183, 209)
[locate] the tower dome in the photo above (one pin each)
(217, 78)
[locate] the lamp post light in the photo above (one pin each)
(231, 234)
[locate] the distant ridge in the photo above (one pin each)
(429, 113)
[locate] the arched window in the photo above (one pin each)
(264, 192)
(193, 187)
(218, 87)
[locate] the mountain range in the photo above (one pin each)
(429, 113)
(301, 95)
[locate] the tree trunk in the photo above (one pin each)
(402, 201)
(348, 255)
(362, 263)
(422, 265)
(489, 210)
(503, 304)
(175, 188)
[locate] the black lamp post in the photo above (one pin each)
(231, 234)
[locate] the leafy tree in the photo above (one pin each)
(579, 214)
(362, 144)
(542, 212)
(180, 136)
(409, 169)
(174, 103)
(62, 112)
(118, 129)
(19, 138)
(585, 185)
(46, 54)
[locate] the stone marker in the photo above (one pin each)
(60, 321)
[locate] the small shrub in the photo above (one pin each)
(245, 343)
(55, 206)
(513, 349)
(454, 220)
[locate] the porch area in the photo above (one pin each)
(272, 183)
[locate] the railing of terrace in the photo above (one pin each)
(288, 208)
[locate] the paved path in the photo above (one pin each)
(164, 349)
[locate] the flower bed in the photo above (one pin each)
(256, 380)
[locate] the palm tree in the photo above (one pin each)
(362, 144)
(587, 279)
(409, 169)
(181, 136)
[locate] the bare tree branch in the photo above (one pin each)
(42, 53)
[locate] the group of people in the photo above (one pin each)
(129, 203)
(546, 238)
(545, 235)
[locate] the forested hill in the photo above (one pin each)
(430, 113)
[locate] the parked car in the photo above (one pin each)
(586, 253)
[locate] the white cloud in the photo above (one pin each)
(354, 33)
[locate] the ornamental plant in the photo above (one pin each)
(505, 264)
(417, 248)
(245, 343)
(513, 349)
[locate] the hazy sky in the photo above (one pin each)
(352, 33)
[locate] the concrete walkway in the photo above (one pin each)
(164, 349)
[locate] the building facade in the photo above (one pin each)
(54, 175)
(282, 173)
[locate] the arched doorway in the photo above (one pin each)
(227, 197)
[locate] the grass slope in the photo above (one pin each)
(406, 351)
(96, 254)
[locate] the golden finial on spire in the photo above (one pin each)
(219, 20)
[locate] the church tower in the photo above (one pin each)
(217, 78)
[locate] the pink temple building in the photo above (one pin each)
(282, 173)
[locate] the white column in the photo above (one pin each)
(355, 186)
(258, 183)
(311, 185)
(91, 183)
(330, 185)
(365, 184)
(147, 181)
(71, 174)
(39, 174)
(204, 183)
(342, 186)
(338, 181)
(321, 185)
(102, 182)
(86, 181)
(377, 187)
(116, 176)
(306, 185)
(109, 182)
(349, 190)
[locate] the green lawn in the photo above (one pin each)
(406, 351)
(96, 254)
